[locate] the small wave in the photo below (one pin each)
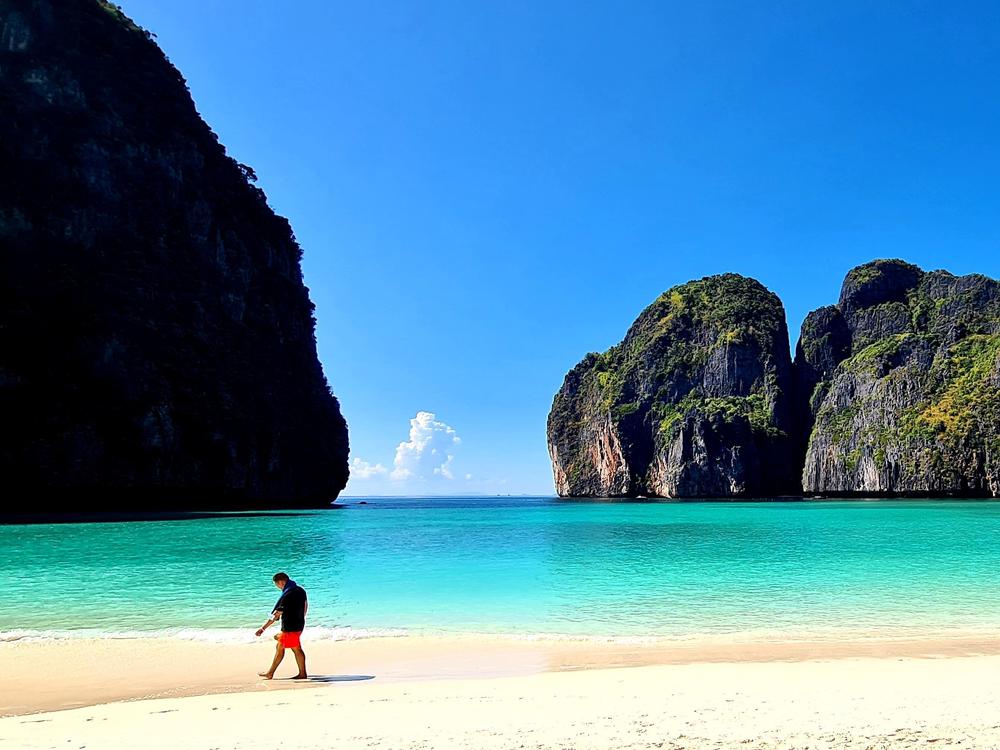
(347, 633)
(205, 635)
(732, 637)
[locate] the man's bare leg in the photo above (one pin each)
(300, 659)
(279, 654)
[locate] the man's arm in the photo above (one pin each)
(275, 616)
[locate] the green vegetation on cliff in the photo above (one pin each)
(684, 326)
(966, 398)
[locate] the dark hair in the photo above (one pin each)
(280, 577)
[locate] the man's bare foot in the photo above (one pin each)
(266, 675)
(301, 677)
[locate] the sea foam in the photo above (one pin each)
(206, 635)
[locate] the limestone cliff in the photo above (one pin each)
(904, 385)
(156, 338)
(694, 402)
(895, 390)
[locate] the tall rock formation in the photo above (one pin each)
(694, 402)
(156, 339)
(895, 390)
(902, 382)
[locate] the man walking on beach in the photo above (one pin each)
(291, 609)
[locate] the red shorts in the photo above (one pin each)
(290, 640)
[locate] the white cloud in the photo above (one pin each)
(444, 469)
(428, 452)
(361, 469)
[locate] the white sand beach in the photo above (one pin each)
(481, 693)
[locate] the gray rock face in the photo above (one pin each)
(910, 405)
(824, 343)
(694, 402)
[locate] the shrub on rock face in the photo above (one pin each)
(694, 402)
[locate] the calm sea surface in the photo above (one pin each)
(520, 566)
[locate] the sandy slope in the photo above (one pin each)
(861, 702)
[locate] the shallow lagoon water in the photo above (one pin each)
(522, 567)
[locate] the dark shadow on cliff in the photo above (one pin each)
(157, 347)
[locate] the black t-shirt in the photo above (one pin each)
(293, 610)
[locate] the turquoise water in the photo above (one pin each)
(520, 566)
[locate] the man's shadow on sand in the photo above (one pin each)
(334, 678)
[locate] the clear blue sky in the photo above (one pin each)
(484, 192)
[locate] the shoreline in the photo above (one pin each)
(60, 674)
